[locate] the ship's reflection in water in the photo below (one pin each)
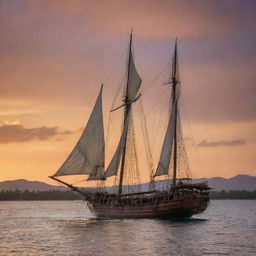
(67, 228)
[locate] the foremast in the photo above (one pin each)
(127, 109)
(120, 164)
(174, 83)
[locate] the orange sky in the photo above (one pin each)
(54, 55)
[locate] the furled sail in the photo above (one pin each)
(114, 163)
(88, 155)
(164, 161)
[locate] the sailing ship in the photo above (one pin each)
(171, 197)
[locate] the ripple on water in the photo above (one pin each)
(68, 228)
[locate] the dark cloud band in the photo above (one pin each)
(18, 133)
(205, 143)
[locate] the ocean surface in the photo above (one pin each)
(228, 227)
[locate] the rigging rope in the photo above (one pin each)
(150, 83)
(146, 141)
(183, 162)
(191, 133)
(131, 173)
(109, 123)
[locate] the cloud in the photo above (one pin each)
(15, 132)
(205, 143)
(44, 25)
(66, 132)
(52, 52)
(153, 19)
(11, 122)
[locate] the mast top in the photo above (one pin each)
(174, 73)
(130, 44)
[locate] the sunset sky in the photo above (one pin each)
(54, 55)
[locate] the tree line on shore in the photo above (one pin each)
(6, 195)
(38, 195)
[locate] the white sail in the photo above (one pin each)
(88, 155)
(134, 81)
(164, 161)
(114, 163)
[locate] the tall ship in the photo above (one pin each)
(166, 194)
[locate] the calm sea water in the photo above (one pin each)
(68, 228)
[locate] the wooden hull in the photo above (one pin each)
(180, 208)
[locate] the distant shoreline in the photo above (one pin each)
(236, 183)
(17, 195)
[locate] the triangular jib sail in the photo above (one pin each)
(88, 154)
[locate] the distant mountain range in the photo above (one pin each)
(239, 182)
(23, 184)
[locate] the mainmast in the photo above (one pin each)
(174, 82)
(127, 108)
(170, 138)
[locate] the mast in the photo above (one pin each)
(126, 142)
(126, 113)
(174, 82)
(170, 139)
